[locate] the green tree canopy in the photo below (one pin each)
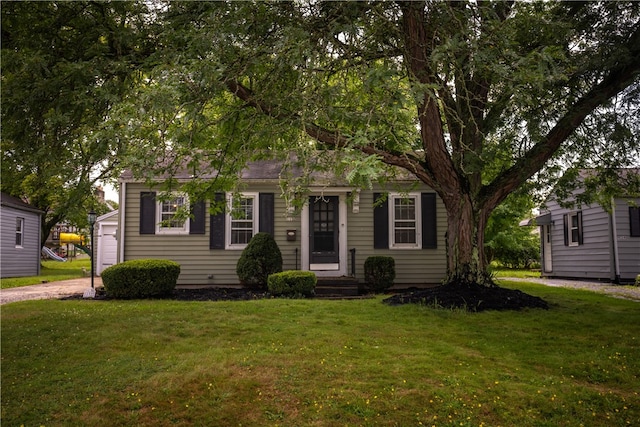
(64, 66)
(473, 98)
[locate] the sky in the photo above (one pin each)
(110, 192)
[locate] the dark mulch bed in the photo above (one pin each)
(199, 294)
(218, 294)
(469, 297)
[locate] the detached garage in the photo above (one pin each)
(106, 230)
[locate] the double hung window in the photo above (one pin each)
(574, 230)
(242, 220)
(573, 233)
(19, 232)
(171, 215)
(405, 224)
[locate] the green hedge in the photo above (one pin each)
(379, 273)
(141, 278)
(292, 283)
(258, 260)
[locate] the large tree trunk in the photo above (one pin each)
(466, 262)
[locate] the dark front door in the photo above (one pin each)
(323, 223)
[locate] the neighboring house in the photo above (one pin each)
(332, 235)
(588, 242)
(105, 241)
(20, 238)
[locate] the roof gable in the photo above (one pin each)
(16, 203)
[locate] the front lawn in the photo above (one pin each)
(321, 363)
(499, 272)
(50, 271)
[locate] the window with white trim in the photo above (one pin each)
(19, 232)
(405, 228)
(170, 215)
(242, 220)
(574, 229)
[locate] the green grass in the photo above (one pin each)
(321, 363)
(499, 272)
(50, 271)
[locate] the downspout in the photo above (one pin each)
(121, 218)
(614, 242)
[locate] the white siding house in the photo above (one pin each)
(588, 242)
(20, 238)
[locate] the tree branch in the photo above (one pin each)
(618, 79)
(332, 138)
(437, 162)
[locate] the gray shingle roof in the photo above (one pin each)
(16, 203)
(261, 170)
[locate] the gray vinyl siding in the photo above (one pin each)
(592, 259)
(198, 261)
(192, 251)
(24, 260)
(628, 247)
(413, 266)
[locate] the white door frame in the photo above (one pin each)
(327, 270)
(546, 249)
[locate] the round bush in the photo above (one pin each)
(258, 260)
(141, 278)
(379, 272)
(292, 283)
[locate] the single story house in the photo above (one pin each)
(20, 237)
(332, 234)
(590, 243)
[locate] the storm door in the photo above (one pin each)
(323, 226)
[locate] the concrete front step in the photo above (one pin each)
(337, 286)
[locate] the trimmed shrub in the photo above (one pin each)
(141, 278)
(638, 280)
(258, 260)
(379, 273)
(292, 283)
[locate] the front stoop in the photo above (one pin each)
(344, 286)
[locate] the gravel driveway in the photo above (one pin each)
(51, 290)
(619, 291)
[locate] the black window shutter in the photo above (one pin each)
(197, 220)
(580, 240)
(266, 220)
(565, 220)
(380, 223)
(429, 225)
(216, 225)
(148, 212)
(634, 219)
